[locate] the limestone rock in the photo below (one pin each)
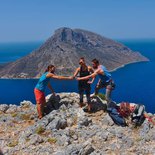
(4, 107)
(68, 130)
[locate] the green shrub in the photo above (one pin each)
(102, 96)
(40, 130)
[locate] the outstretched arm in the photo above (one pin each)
(87, 77)
(50, 75)
(93, 75)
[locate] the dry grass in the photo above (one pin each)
(71, 132)
(14, 114)
(13, 143)
(26, 106)
(27, 139)
(40, 130)
(75, 118)
(1, 112)
(52, 140)
(25, 116)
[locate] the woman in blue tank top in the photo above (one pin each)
(105, 79)
(43, 82)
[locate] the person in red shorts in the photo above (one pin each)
(43, 82)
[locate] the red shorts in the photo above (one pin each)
(40, 96)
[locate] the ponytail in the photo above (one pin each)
(50, 66)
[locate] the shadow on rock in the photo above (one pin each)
(53, 103)
(98, 104)
(1, 153)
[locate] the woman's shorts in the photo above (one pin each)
(40, 96)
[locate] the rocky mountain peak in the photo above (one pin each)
(68, 35)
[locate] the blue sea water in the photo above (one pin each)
(13, 51)
(134, 82)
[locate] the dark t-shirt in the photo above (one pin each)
(83, 83)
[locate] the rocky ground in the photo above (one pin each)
(68, 130)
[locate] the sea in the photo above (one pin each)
(134, 82)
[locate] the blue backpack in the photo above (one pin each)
(116, 117)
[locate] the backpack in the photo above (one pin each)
(116, 117)
(137, 117)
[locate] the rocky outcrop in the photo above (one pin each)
(64, 48)
(68, 130)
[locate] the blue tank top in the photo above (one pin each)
(42, 83)
(106, 77)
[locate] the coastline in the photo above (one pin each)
(124, 65)
(113, 70)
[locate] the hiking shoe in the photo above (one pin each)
(40, 117)
(87, 110)
(92, 95)
(81, 105)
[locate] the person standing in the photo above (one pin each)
(84, 85)
(105, 79)
(43, 82)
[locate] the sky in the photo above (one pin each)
(36, 20)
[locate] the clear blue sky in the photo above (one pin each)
(32, 20)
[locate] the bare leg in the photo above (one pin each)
(108, 93)
(39, 109)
